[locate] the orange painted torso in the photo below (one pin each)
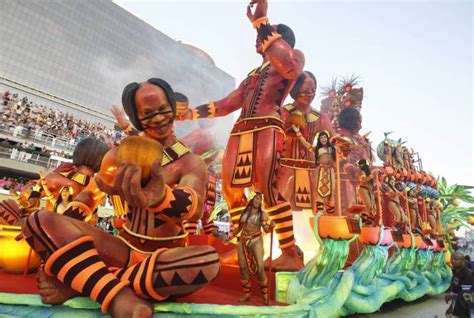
(293, 147)
(265, 91)
(150, 224)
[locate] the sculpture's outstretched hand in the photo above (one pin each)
(120, 116)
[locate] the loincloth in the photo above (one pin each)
(141, 244)
(302, 180)
(298, 164)
(250, 260)
(245, 129)
(325, 180)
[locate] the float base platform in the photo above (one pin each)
(19, 298)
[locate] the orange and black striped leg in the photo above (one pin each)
(289, 260)
(10, 212)
(78, 265)
(330, 209)
(176, 271)
(264, 290)
(319, 207)
(246, 289)
(210, 228)
(190, 226)
(36, 236)
(73, 262)
(282, 215)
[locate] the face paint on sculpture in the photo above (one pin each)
(154, 111)
(307, 92)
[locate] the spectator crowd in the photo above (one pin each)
(33, 120)
(16, 184)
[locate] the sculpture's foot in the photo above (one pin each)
(127, 304)
(290, 260)
(52, 291)
(244, 299)
(266, 300)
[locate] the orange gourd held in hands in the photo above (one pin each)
(141, 151)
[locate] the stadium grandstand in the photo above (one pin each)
(64, 63)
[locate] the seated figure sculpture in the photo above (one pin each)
(148, 260)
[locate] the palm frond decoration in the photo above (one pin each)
(386, 134)
(347, 83)
(454, 194)
(219, 207)
(208, 154)
(451, 196)
(331, 90)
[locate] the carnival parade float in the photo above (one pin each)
(191, 223)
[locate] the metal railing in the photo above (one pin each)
(30, 157)
(38, 136)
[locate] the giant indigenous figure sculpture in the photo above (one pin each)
(296, 176)
(148, 259)
(75, 177)
(59, 186)
(350, 123)
(25, 203)
(393, 195)
(365, 191)
(199, 142)
(252, 152)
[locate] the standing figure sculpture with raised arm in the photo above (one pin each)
(256, 140)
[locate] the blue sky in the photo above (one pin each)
(414, 59)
